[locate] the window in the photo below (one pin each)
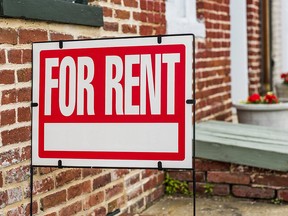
(63, 11)
(181, 18)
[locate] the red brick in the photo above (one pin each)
(25, 153)
(221, 190)
(113, 191)
(101, 181)
(131, 3)
(93, 200)
(55, 36)
(271, 180)
(27, 36)
(24, 75)
(226, 177)
(116, 1)
(15, 56)
(143, 4)
(111, 26)
(41, 186)
(7, 77)
(181, 175)
(46, 170)
(129, 28)
(90, 172)
(122, 14)
(24, 94)
(252, 192)
(71, 209)
(135, 192)
(16, 135)
(107, 12)
(26, 56)
(24, 114)
(207, 165)
(53, 200)
(51, 214)
(8, 36)
(155, 195)
(150, 184)
(1, 180)
(67, 176)
(79, 189)
(146, 30)
(149, 172)
(283, 195)
(2, 56)
(7, 117)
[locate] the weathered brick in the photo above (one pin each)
(55, 36)
(24, 209)
(71, 209)
(53, 200)
(8, 36)
(101, 181)
(226, 177)
(7, 117)
(67, 176)
(17, 135)
(135, 192)
(90, 172)
(1, 180)
(252, 192)
(156, 194)
(8, 96)
(114, 190)
(14, 195)
(46, 170)
(118, 173)
(132, 180)
(221, 190)
(271, 180)
(7, 77)
(24, 94)
(42, 185)
(17, 174)
(116, 204)
(27, 36)
(208, 165)
(100, 211)
(79, 189)
(24, 75)
(111, 26)
(24, 114)
(283, 195)
(150, 184)
(116, 1)
(93, 200)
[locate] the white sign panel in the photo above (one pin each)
(113, 102)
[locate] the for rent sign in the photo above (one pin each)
(113, 102)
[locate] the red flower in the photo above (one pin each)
(270, 98)
(284, 76)
(254, 98)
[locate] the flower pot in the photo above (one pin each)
(282, 91)
(270, 115)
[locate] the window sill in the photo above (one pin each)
(52, 10)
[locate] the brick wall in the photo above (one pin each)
(254, 45)
(237, 180)
(65, 191)
(213, 89)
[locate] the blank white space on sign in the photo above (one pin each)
(95, 137)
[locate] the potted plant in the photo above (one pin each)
(282, 88)
(265, 111)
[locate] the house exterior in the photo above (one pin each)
(79, 191)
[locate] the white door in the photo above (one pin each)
(239, 58)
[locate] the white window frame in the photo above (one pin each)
(181, 18)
